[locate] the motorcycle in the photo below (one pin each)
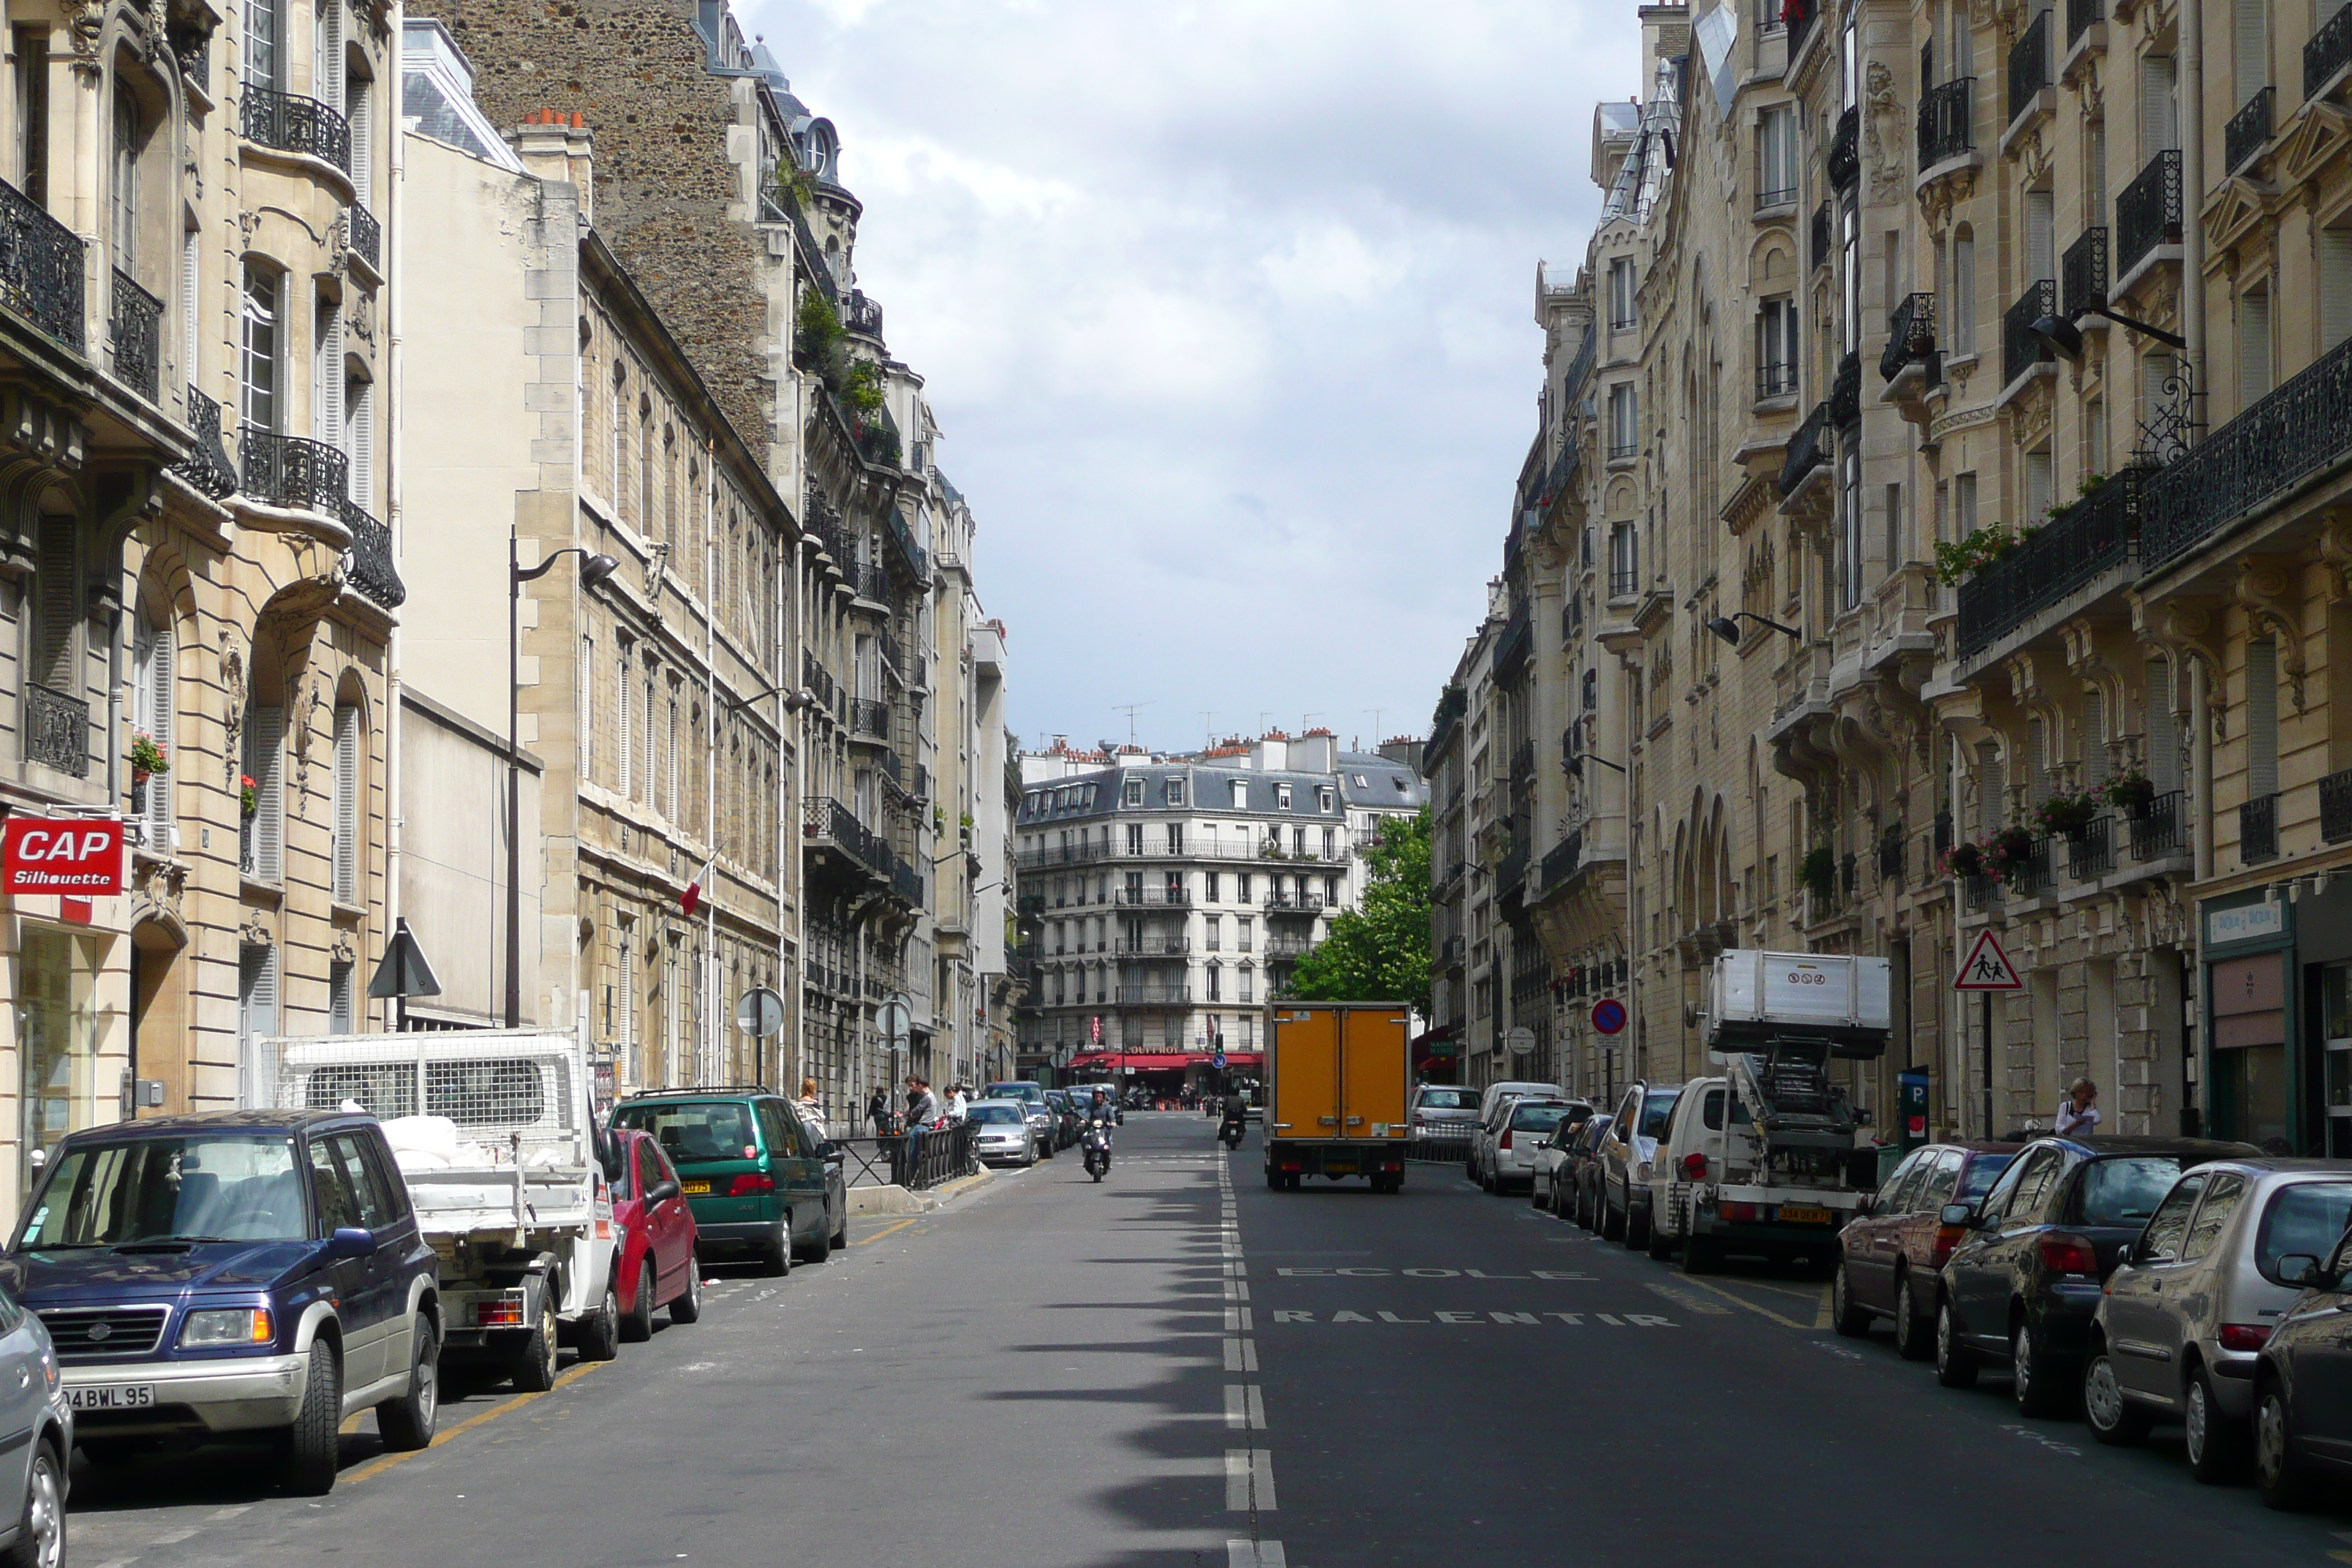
(1229, 1132)
(1097, 1144)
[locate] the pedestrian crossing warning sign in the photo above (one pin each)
(1988, 967)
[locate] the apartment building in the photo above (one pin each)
(1923, 472)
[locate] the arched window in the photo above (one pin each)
(154, 658)
(263, 345)
(349, 823)
(261, 837)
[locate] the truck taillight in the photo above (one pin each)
(751, 1183)
(1737, 1213)
(2068, 1255)
(2244, 1336)
(1695, 1167)
(506, 1312)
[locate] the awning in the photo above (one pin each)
(1164, 1061)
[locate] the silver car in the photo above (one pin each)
(33, 1409)
(2188, 1308)
(1001, 1132)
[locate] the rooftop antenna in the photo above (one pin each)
(1377, 730)
(1208, 727)
(1130, 709)
(1307, 721)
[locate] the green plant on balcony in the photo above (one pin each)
(2129, 793)
(1957, 558)
(147, 757)
(1272, 849)
(248, 797)
(793, 184)
(2066, 815)
(1819, 869)
(2006, 851)
(819, 340)
(1966, 859)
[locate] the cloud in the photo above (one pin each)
(1225, 312)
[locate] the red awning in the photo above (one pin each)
(1164, 1061)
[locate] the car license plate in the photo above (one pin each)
(111, 1397)
(694, 1189)
(1797, 1214)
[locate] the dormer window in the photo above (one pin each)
(1175, 792)
(1323, 801)
(1134, 792)
(1282, 797)
(1241, 794)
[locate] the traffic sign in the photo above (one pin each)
(1520, 1041)
(896, 1017)
(1608, 1014)
(760, 1011)
(1218, 1061)
(1987, 967)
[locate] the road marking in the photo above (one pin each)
(1262, 1554)
(1245, 1410)
(1237, 1320)
(1688, 1302)
(579, 1371)
(1237, 1290)
(2044, 1439)
(1760, 1311)
(1241, 1355)
(888, 1230)
(1249, 1480)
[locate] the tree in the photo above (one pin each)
(1379, 953)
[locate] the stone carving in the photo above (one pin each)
(233, 688)
(252, 930)
(85, 20)
(1883, 132)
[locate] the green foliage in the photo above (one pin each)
(1978, 550)
(794, 184)
(818, 335)
(861, 388)
(1819, 871)
(1379, 953)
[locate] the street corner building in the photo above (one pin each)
(1933, 525)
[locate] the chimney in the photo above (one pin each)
(555, 146)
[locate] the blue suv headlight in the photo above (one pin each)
(219, 1328)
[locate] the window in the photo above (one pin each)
(1208, 887)
(1216, 977)
(1298, 844)
(256, 1019)
(1247, 975)
(156, 655)
(1134, 792)
(2262, 719)
(1241, 887)
(1241, 931)
(263, 59)
(2037, 482)
(1135, 832)
(1241, 794)
(29, 167)
(342, 1018)
(584, 699)
(1322, 799)
(349, 816)
(1330, 892)
(2040, 241)
(125, 194)
(2221, 1199)
(262, 342)
(1894, 553)
(261, 842)
(1331, 844)
(1624, 561)
(1175, 839)
(2169, 1227)
(1963, 323)
(1624, 437)
(1175, 792)
(1850, 541)
(2253, 345)
(1621, 295)
(2334, 286)
(1776, 349)
(1776, 155)
(2159, 116)
(1282, 797)
(1850, 278)
(1213, 928)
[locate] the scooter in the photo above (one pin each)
(1097, 1144)
(1229, 1132)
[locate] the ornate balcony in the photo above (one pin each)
(2031, 878)
(2327, 53)
(2029, 66)
(2094, 536)
(1845, 150)
(2299, 429)
(369, 562)
(295, 125)
(2147, 213)
(2156, 832)
(1891, 857)
(1821, 235)
(207, 467)
(294, 471)
(2091, 854)
(1944, 129)
(365, 236)
(2336, 808)
(1845, 393)
(2080, 14)
(1808, 450)
(862, 315)
(869, 717)
(1776, 381)
(2083, 274)
(2248, 131)
(2258, 830)
(1152, 897)
(134, 335)
(40, 268)
(56, 730)
(1910, 337)
(2020, 350)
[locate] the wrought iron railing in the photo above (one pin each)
(295, 125)
(2258, 829)
(2022, 348)
(2083, 274)
(1910, 336)
(2248, 131)
(2080, 14)
(1845, 150)
(1809, 448)
(1295, 903)
(293, 471)
(917, 561)
(56, 730)
(2028, 65)
(1624, 583)
(2031, 877)
(1978, 894)
(2147, 213)
(907, 883)
(2327, 53)
(2091, 853)
(1779, 195)
(1562, 860)
(369, 561)
(1845, 393)
(134, 335)
(1623, 451)
(2095, 535)
(364, 235)
(2336, 808)
(1514, 868)
(40, 268)
(2302, 427)
(1152, 897)
(1943, 116)
(867, 716)
(1518, 638)
(207, 467)
(1776, 381)
(2156, 832)
(862, 315)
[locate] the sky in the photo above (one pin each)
(1227, 312)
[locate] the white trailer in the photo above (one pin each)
(495, 1136)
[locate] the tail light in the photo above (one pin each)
(1737, 1214)
(2068, 1255)
(505, 1312)
(2244, 1336)
(749, 1184)
(1947, 1236)
(1695, 1167)
(1506, 1139)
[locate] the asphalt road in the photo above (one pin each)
(1179, 1369)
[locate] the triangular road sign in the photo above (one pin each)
(404, 972)
(1988, 967)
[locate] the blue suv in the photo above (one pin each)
(249, 1274)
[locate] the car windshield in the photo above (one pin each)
(1656, 1107)
(2126, 1191)
(998, 1114)
(1537, 1117)
(692, 1133)
(1978, 1178)
(2308, 1217)
(1449, 1100)
(195, 1188)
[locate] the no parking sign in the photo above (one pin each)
(1608, 1014)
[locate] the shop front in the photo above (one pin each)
(2278, 1011)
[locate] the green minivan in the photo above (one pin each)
(757, 1178)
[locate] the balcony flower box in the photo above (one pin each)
(2131, 793)
(2006, 851)
(1964, 860)
(147, 758)
(2067, 814)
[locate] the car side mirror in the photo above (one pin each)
(660, 1193)
(1867, 1203)
(2301, 1269)
(2123, 1255)
(350, 1242)
(1957, 1213)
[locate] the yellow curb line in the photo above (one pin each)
(1743, 1302)
(579, 1371)
(888, 1230)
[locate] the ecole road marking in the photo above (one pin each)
(1465, 1319)
(579, 1371)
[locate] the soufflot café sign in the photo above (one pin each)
(80, 858)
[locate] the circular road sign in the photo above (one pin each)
(760, 1011)
(1218, 1061)
(1608, 1014)
(1519, 1041)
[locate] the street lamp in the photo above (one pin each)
(594, 570)
(1574, 762)
(1728, 627)
(2063, 336)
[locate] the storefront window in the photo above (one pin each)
(59, 1003)
(2336, 1034)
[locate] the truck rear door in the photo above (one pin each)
(1373, 1074)
(1306, 1073)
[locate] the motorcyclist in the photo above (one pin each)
(1235, 1120)
(1101, 1109)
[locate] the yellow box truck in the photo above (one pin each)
(1339, 1084)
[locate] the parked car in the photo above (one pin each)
(1891, 1256)
(1626, 1153)
(1511, 1157)
(1547, 1160)
(1000, 1132)
(1490, 1130)
(1068, 1118)
(33, 1402)
(2188, 1311)
(1042, 1116)
(757, 1179)
(653, 1266)
(2302, 1422)
(1573, 1183)
(1444, 1117)
(2024, 1283)
(1491, 1099)
(241, 1274)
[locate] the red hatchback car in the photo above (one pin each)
(1891, 1254)
(654, 1265)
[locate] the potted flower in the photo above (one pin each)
(2009, 848)
(147, 758)
(1964, 860)
(2066, 815)
(1819, 869)
(248, 797)
(2130, 792)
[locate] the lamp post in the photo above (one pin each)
(594, 570)
(1728, 627)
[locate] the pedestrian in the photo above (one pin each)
(958, 1103)
(922, 1105)
(2078, 1117)
(809, 1109)
(878, 1111)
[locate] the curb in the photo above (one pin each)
(866, 1201)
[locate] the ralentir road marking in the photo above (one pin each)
(1357, 1273)
(1688, 1302)
(1459, 1318)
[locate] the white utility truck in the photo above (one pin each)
(495, 1136)
(1771, 1157)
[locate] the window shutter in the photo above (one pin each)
(2334, 286)
(2249, 47)
(359, 428)
(2159, 115)
(2262, 719)
(267, 729)
(2039, 210)
(327, 382)
(2094, 737)
(327, 55)
(59, 601)
(363, 124)
(347, 805)
(2253, 346)
(583, 727)
(2163, 743)
(191, 254)
(624, 758)
(160, 693)
(257, 1020)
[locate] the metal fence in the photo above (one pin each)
(910, 1160)
(1440, 1142)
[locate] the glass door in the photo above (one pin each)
(2336, 1040)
